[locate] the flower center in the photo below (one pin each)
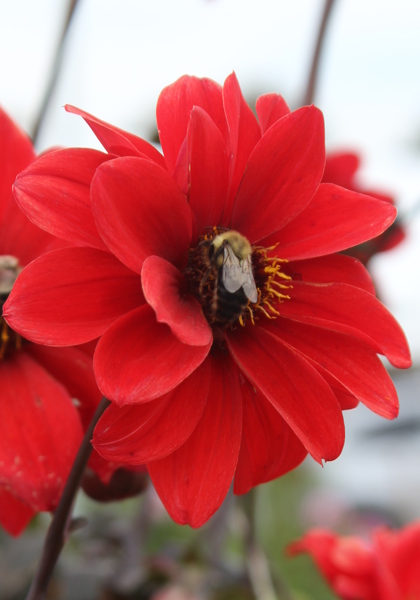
(9, 270)
(234, 281)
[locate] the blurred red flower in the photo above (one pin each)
(341, 168)
(387, 567)
(209, 383)
(41, 422)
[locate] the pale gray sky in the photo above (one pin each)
(121, 53)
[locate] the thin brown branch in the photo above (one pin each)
(57, 532)
(55, 70)
(313, 74)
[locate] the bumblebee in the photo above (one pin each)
(230, 259)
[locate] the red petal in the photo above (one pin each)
(336, 219)
(269, 447)
(144, 432)
(282, 175)
(193, 481)
(71, 296)
(330, 269)
(16, 153)
(208, 170)
(174, 107)
(340, 168)
(165, 290)
(40, 432)
(104, 469)
(294, 387)
(117, 141)
(138, 359)
(346, 400)
(74, 369)
(270, 108)
(349, 309)
(349, 360)
(14, 515)
(21, 238)
(141, 212)
(54, 192)
(244, 134)
(398, 553)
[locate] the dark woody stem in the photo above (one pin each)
(310, 90)
(57, 532)
(55, 70)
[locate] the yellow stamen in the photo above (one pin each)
(276, 312)
(281, 285)
(251, 314)
(259, 307)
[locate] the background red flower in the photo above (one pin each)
(387, 567)
(341, 168)
(47, 395)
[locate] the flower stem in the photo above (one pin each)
(308, 98)
(55, 70)
(259, 573)
(56, 535)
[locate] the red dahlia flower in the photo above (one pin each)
(341, 169)
(385, 568)
(231, 335)
(40, 428)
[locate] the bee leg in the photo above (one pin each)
(203, 281)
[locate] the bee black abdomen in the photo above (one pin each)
(228, 307)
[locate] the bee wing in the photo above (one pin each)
(249, 286)
(237, 274)
(232, 271)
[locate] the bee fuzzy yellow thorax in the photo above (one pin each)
(239, 244)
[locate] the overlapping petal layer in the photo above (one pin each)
(332, 223)
(270, 108)
(153, 219)
(138, 359)
(57, 184)
(165, 290)
(282, 175)
(269, 448)
(174, 107)
(348, 359)
(21, 238)
(128, 434)
(208, 170)
(316, 417)
(244, 134)
(343, 307)
(119, 142)
(71, 296)
(333, 267)
(193, 481)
